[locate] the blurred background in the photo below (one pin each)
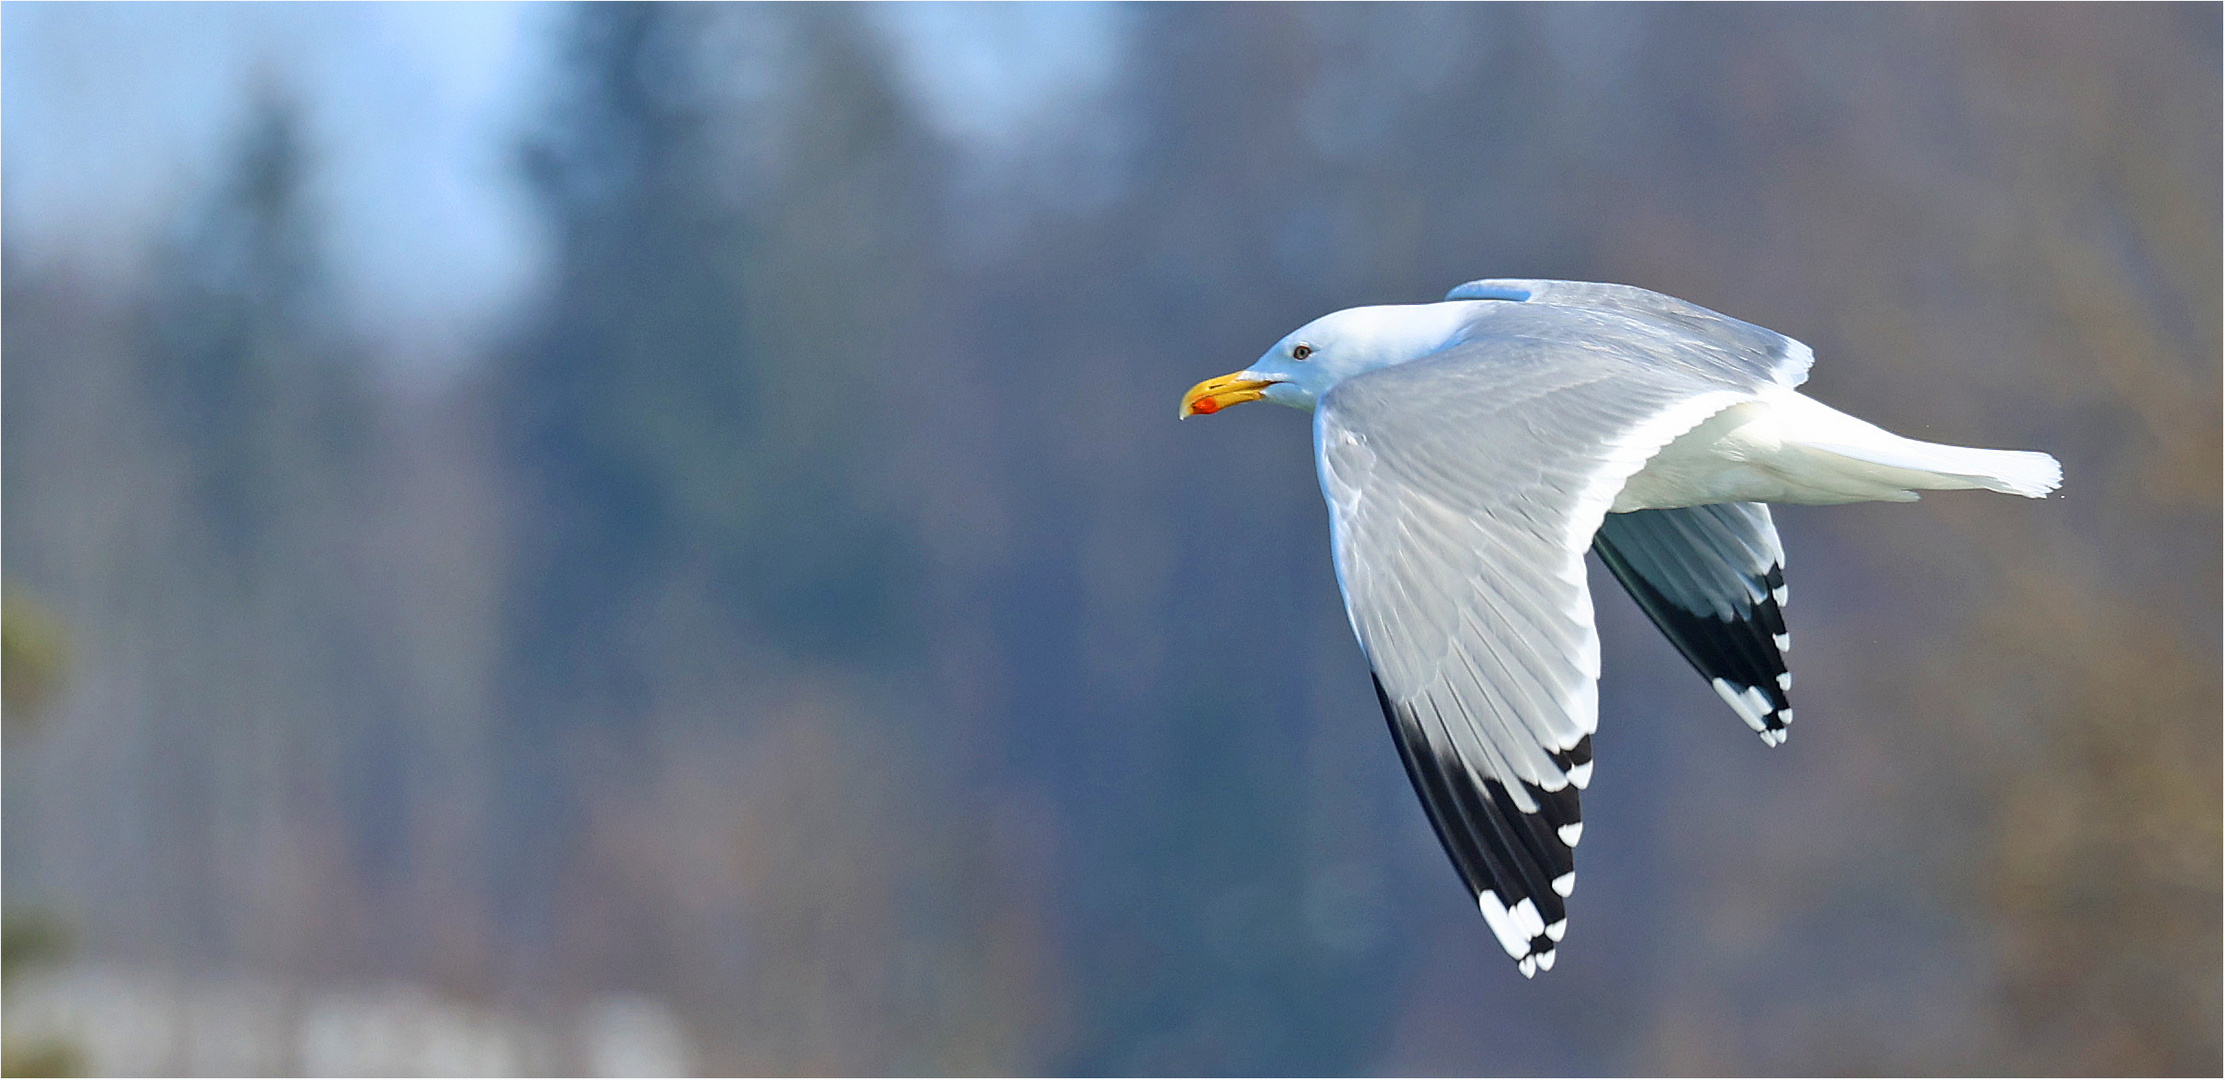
(613, 539)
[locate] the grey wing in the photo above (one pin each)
(1713, 579)
(1754, 350)
(1463, 491)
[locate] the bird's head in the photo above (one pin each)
(1311, 359)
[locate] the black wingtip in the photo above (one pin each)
(1518, 865)
(1742, 658)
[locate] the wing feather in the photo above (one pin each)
(1463, 490)
(1757, 349)
(1712, 578)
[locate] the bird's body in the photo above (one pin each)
(1472, 450)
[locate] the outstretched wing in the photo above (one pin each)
(1463, 490)
(1713, 579)
(1730, 343)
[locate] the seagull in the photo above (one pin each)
(1472, 450)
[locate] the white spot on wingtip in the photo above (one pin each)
(1756, 700)
(1545, 960)
(1565, 884)
(1525, 919)
(1580, 775)
(1782, 641)
(1495, 915)
(1528, 964)
(1556, 931)
(1738, 704)
(1784, 680)
(1570, 834)
(1779, 594)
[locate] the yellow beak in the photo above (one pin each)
(1213, 395)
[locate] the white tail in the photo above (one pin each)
(1879, 456)
(2014, 472)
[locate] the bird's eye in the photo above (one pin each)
(1300, 351)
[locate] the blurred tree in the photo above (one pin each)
(244, 363)
(696, 404)
(273, 710)
(712, 554)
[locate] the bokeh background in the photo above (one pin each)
(605, 539)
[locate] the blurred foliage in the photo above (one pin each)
(33, 939)
(29, 940)
(34, 657)
(42, 1059)
(34, 663)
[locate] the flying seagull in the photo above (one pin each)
(1471, 450)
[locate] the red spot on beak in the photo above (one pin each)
(1205, 405)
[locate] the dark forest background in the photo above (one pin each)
(811, 617)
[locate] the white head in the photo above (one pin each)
(1311, 359)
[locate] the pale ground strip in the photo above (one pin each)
(127, 1021)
